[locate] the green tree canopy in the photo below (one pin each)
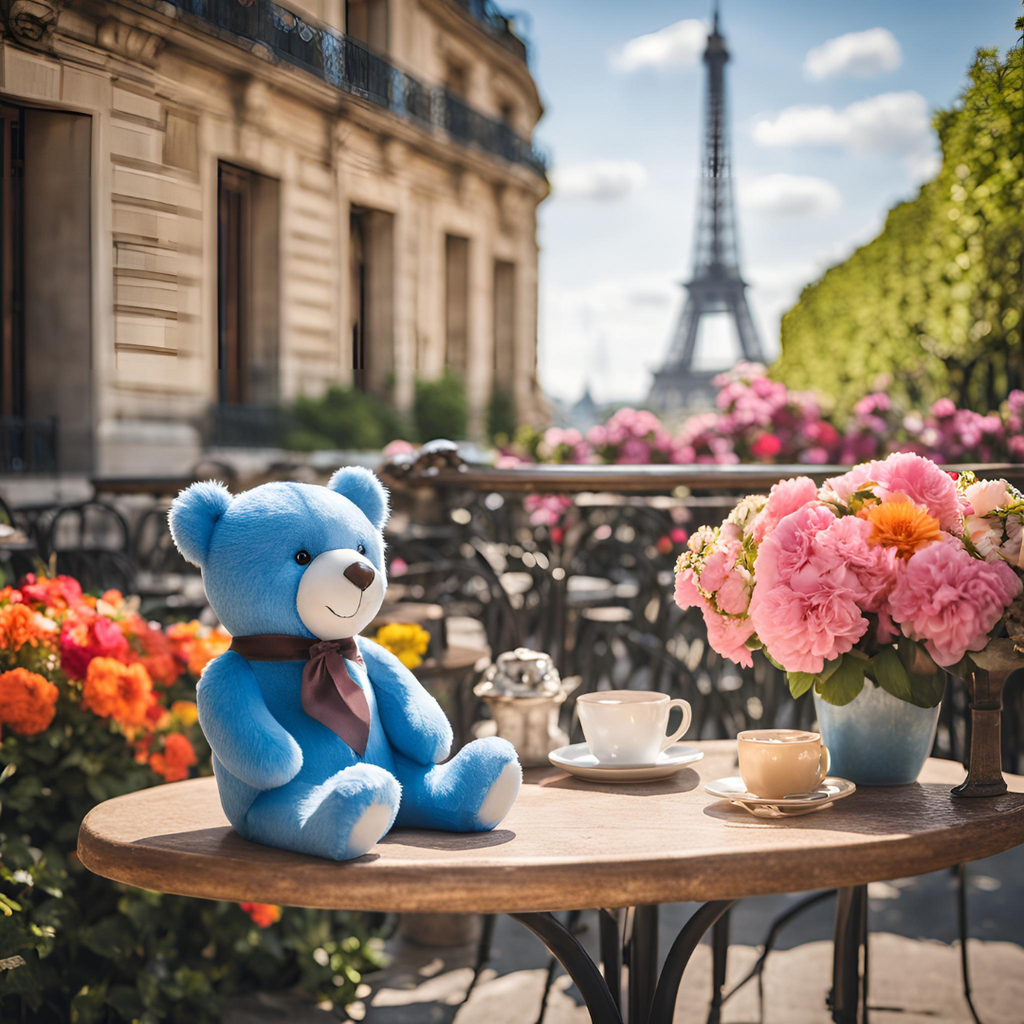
(933, 305)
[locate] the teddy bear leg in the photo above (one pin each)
(340, 819)
(470, 793)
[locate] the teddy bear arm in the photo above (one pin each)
(413, 720)
(246, 738)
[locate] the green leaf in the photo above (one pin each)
(800, 682)
(926, 690)
(889, 673)
(830, 667)
(927, 680)
(844, 682)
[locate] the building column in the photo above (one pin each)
(405, 256)
(345, 296)
(480, 348)
(528, 400)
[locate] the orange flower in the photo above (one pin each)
(205, 649)
(28, 701)
(118, 691)
(175, 760)
(263, 914)
(899, 523)
(19, 625)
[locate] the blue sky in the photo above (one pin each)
(623, 127)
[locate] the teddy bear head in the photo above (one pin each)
(288, 558)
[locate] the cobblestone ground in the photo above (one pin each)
(914, 965)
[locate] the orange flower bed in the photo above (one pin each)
(60, 648)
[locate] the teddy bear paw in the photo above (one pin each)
(500, 797)
(368, 830)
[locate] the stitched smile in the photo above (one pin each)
(356, 612)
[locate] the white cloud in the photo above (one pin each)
(892, 123)
(610, 333)
(601, 181)
(860, 54)
(789, 196)
(677, 45)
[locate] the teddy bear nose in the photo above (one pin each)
(359, 574)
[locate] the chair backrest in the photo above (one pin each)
(92, 525)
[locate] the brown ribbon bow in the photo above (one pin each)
(329, 693)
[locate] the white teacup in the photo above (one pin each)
(628, 727)
(775, 763)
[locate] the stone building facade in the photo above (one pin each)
(211, 207)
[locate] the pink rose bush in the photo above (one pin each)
(757, 419)
(893, 570)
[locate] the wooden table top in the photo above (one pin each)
(566, 844)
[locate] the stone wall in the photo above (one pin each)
(169, 104)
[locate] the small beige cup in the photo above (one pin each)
(776, 763)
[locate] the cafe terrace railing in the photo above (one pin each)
(347, 65)
(574, 560)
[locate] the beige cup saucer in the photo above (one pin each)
(822, 796)
(577, 760)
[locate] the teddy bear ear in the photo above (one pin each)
(364, 490)
(193, 515)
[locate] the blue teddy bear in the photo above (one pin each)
(300, 564)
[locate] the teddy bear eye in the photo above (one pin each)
(361, 548)
(303, 557)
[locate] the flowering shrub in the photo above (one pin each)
(891, 569)
(407, 641)
(96, 702)
(760, 420)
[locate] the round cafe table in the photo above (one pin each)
(570, 845)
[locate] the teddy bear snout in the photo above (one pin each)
(360, 574)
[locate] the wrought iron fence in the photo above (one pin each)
(247, 426)
(347, 65)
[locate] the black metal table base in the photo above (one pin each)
(651, 999)
(629, 939)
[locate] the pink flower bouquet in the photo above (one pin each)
(889, 571)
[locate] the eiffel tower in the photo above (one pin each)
(717, 285)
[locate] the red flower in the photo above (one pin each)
(263, 914)
(59, 592)
(767, 446)
(86, 636)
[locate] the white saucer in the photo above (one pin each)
(578, 760)
(733, 790)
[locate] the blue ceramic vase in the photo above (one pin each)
(876, 739)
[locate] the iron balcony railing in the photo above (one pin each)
(347, 65)
(497, 24)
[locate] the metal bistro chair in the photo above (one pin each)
(91, 542)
